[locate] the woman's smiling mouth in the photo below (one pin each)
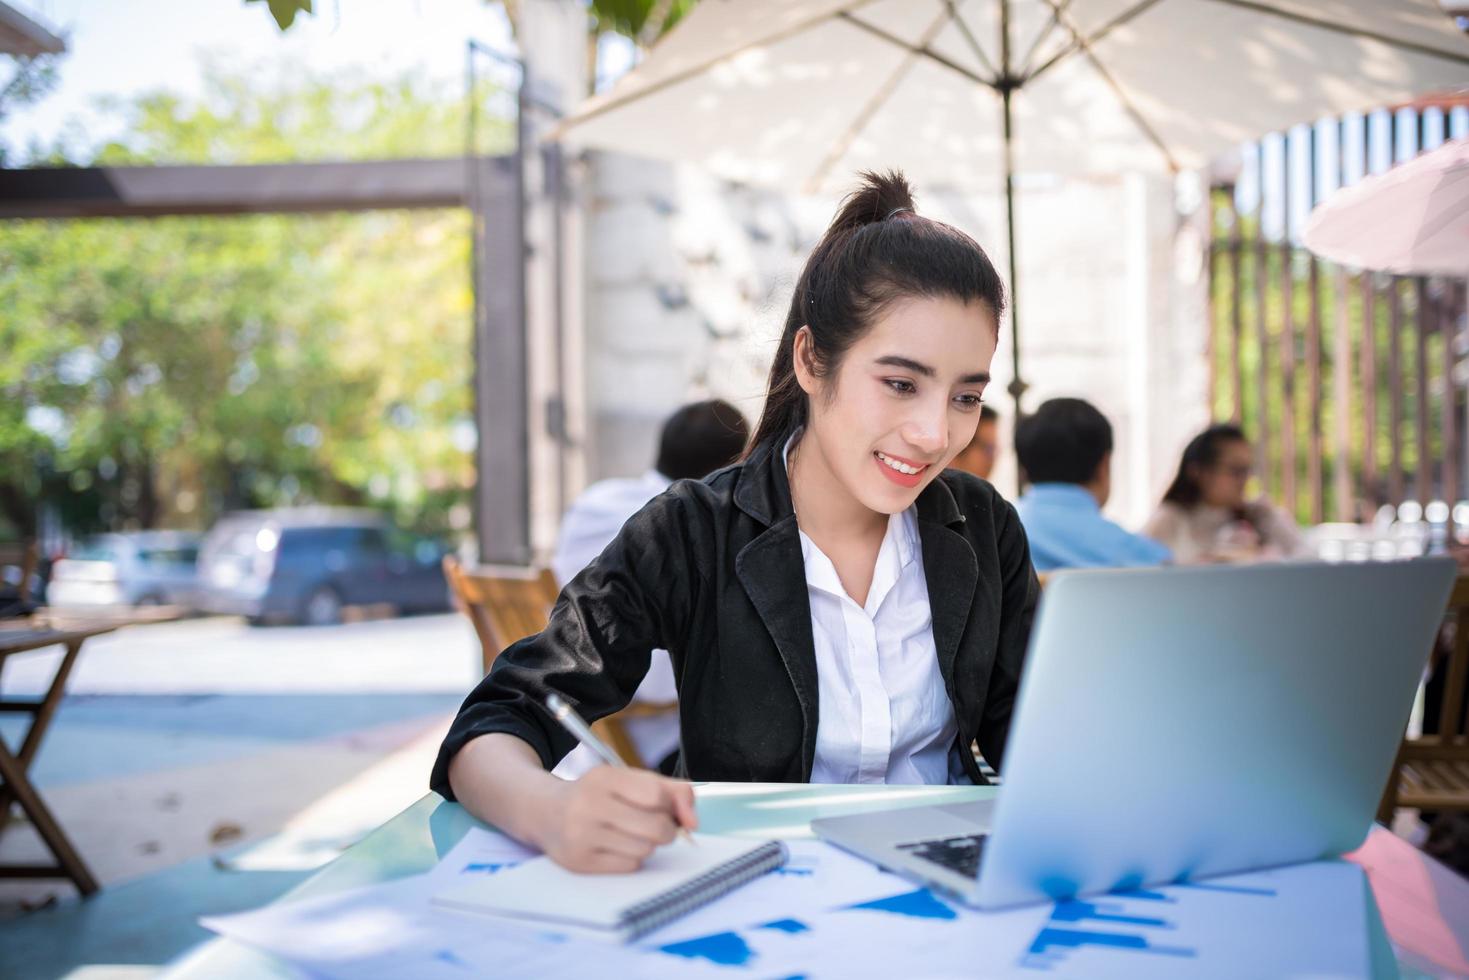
(903, 472)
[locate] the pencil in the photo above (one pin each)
(582, 732)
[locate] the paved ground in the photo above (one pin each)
(206, 765)
(223, 655)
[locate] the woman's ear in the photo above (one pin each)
(803, 359)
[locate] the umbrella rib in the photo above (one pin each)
(969, 36)
(1327, 25)
(1078, 41)
(1085, 46)
(885, 92)
(1041, 37)
(925, 52)
(616, 103)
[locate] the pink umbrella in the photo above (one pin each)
(1412, 220)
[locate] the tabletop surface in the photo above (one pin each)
(25, 637)
(412, 843)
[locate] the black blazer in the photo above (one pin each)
(712, 572)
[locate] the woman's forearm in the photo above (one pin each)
(499, 779)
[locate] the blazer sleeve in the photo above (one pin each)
(635, 597)
(1019, 593)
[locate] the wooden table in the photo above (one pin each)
(15, 783)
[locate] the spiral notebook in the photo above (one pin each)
(676, 879)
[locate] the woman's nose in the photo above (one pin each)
(928, 432)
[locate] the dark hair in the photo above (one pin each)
(1062, 441)
(877, 250)
(1202, 452)
(986, 414)
(700, 438)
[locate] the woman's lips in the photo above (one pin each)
(906, 480)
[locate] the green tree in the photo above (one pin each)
(31, 79)
(161, 370)
(644, 21)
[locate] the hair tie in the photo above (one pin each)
(896, 211)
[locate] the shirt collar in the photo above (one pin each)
(1072, 495)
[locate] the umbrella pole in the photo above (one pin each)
(1017, 385)
(1006, 84)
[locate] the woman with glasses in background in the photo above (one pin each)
(1205, 516)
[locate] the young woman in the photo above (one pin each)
(1204, 516)
(838, 608)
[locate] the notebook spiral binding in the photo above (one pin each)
(647, 916)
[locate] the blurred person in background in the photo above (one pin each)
(696, 440)
(979, 456)
(1065, 451)
(1205, 516)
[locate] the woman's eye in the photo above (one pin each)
(900, 386)
(968, 401)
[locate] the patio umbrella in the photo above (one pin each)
(800, 94)
(1412, 220)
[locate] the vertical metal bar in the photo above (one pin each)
(1236, 326)
(553, 163)
(1261, 427)
(1369, 389)
(1341, 403)
(1288, 489)
(1395, 487)
(1211, 338)
(1006, 86)
(1423, 327)
(1313, 368)
(1288, 377)
(1448, 326)
(1461, 315)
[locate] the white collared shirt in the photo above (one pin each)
(883, 713)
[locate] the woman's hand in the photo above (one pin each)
(611, 819)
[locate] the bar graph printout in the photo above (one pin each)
(1308, 920)
(831, 915)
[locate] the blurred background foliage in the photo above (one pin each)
(157, 372)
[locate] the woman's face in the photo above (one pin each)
(1223, 484)
(904, 400)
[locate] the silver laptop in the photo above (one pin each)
(1179, 723)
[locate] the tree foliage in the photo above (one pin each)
(30, 79)
(159, 371)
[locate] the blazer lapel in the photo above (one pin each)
(951, 570)
(952, 573)
(773, 574)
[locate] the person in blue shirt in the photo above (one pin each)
(1065, 451)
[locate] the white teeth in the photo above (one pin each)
(900, 467)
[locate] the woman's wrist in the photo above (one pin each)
(542, 804)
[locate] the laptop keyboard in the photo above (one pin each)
(959, 854)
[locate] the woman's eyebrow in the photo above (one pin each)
(908, 364)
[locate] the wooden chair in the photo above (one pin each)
(506, 604)
(1431, 772)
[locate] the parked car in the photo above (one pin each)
(305, 565)
(133, 568)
